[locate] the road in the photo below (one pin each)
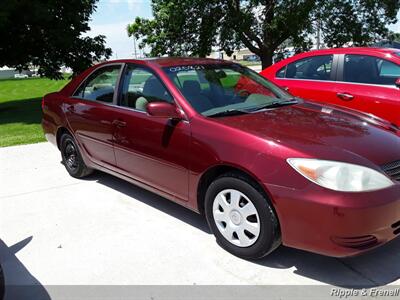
(57, 230)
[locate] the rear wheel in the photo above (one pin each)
(72, 158)
(241, 218)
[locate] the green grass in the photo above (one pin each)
(248, 63)
(20, 109)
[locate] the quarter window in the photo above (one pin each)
(100, 86)
(369, 69)
(311, 68)
(141, 87)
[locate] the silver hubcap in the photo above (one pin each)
(236, 218)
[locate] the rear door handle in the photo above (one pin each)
(71, 108)
(345, 96)
(119, 123)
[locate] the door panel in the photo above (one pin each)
(150, 149)
(320, 91)
(91, 123)
(310, 78)
(154, 151)
(371, 82)
(90, 114)
(381, 101)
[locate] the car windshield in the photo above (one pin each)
(218, 89)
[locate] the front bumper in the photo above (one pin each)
(336, 223)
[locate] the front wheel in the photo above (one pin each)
(71, 157)
(241, 217)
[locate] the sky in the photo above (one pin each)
(112, 17)
(396, 27)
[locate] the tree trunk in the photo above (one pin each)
(266, 59)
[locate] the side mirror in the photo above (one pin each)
(164, 110)
(397, 82)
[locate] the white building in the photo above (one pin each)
(6, 72)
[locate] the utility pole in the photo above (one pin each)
(134, 47)
(318, 33)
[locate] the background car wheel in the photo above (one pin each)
(241, 217)
(72, 158)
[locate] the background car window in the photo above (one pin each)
(369, 69)
(389, 70)
(100, 86)
(141, 87)
(281, 73)
(315, 68)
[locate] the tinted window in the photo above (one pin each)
(100, 85)
(141, 86)
(281, 73)
(388, 69)
(218, 87)
(315, 68)
(369, 69)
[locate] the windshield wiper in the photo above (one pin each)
(229, 112)
(232, 112)
(276, 104)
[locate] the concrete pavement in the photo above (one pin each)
(57, 230)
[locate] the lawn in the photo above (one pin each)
(20, 109)
(249, 63)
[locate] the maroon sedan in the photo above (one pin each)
(265, 168)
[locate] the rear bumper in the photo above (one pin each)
(337, 224)
(49, 130)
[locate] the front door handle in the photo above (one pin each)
(119, 123)
(71, 108)
(345, 96)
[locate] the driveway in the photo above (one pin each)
(57, 230)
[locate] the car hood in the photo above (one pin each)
(324, 132)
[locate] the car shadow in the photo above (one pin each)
(375, 268)
(17, 282)
(173, 209)
(372, 269)
(27, 111)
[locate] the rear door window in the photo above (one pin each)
(101, 85)
(370, 70)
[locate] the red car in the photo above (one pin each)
(265, 168)
(364, 79)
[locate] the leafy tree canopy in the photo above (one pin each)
(48, 34)
(194, 27)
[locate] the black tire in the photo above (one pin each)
(72, 158)
(269, 237)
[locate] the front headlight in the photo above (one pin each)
(340, 176)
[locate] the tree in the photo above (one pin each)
(49, 34)
(194, 27)
(394, 36)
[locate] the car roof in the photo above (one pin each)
(172, 61)
(373, 51)
(353, 49)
